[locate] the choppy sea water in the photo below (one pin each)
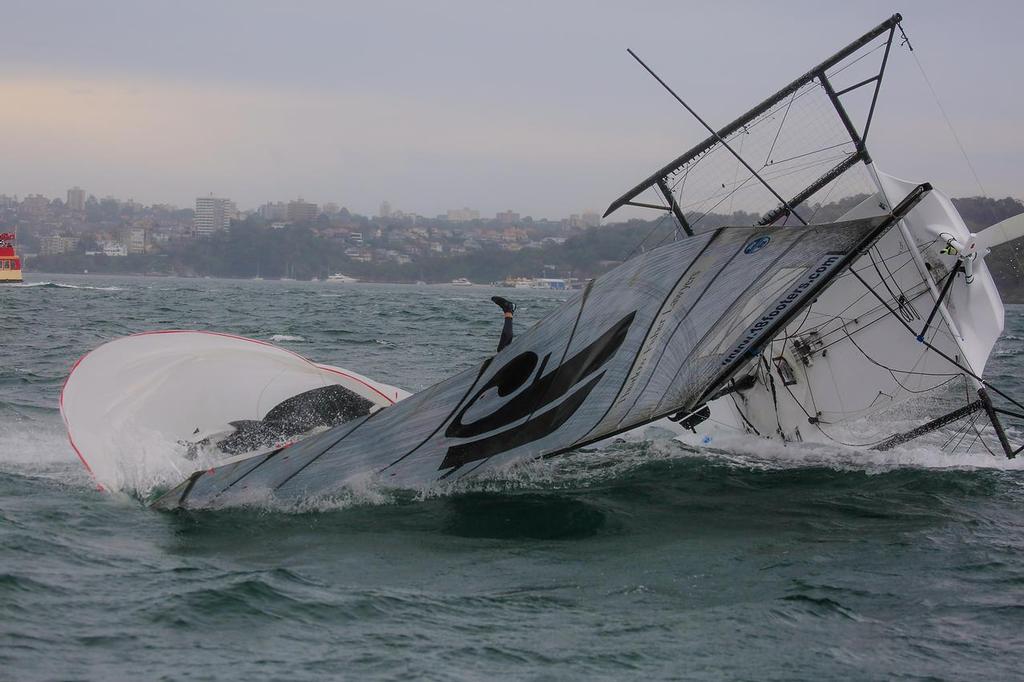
(637, 560)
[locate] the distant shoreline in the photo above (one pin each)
(1009, 295)
(37, 274)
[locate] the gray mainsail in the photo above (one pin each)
(655, 336)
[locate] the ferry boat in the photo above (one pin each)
(461, 282)
(10, 264)
(339, 278)
(534, 283)
(548, 283)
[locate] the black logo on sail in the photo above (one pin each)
(531, 401)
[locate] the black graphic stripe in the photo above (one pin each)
(529, 431)
(544, 389)
(483, 368)
(572, 334)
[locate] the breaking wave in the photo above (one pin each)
(37, 447)
(64, 285)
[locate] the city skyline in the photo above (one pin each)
(296, 209)
(462, 104)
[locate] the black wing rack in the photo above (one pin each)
(797, 145)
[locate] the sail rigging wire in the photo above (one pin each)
(783, 169)
(947, 334)
(824, 200)
(896, 302)
(716, 135)
(729, 194)
(940, 353)
(885, 41)
(708, 212)
(969, 421)
(736, 172)
(681, 188)
(817, 423)
(777, 174)
(773, 162)
(984, 443)
(945, 116)
(910, 260)
(896, 282)
(840, 315)
(653, 230)
(778, 132)
(903, 305)
(882, 279)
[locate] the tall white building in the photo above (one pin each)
(137, 240)
(76, 199)
(385, 209)
(212, 214)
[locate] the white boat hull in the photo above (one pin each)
(851, 358)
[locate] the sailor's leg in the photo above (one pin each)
(508, 308)
(506, 332)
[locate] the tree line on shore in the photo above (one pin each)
(251, 249)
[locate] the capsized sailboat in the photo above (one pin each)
(787, 329)
(917, 311)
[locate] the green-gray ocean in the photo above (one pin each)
(637, 560)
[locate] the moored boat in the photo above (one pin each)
(10, 264)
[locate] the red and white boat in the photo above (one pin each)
(10, 264)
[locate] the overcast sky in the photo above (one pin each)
(533, 106)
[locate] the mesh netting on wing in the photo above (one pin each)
(790, 146)
(797, 153)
